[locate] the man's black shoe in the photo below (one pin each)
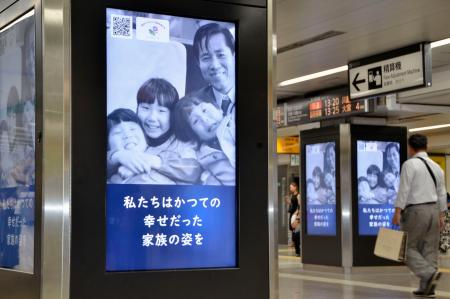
(432, 282)
(423, 294)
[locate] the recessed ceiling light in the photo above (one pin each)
(344, 68)
(440, 43)
(314, 75)
(429, 128)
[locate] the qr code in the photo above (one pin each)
(121, 26)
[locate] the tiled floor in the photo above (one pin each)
(295, 282)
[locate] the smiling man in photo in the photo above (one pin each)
(214, 50)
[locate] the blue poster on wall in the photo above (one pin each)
(321, 189)
(171, 157)
(378, 169)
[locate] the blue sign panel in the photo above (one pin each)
(378, 168)
(321, 189)
(161, 227)
(171, 155)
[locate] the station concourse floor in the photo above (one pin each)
(296, 282)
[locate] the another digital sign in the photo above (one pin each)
(171, 193)
(322, 107)
(17, 135)
(336, 106)
(321, 189)
(378, 175)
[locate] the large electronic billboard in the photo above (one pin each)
(17, 146)
(171, 186)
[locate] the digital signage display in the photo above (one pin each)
(171, 189)
(17, 146)
(321, 189)
(378, 174)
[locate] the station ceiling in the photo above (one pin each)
(318, 35)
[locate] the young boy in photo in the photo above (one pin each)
(125, 132)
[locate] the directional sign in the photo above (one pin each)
(397, 70)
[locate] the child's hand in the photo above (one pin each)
(154, 161)
(136, 162)
(124, 172)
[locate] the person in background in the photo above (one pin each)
(444, 243)
(420, 210)
(294, 216)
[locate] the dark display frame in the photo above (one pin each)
(88, 275)
(363, 246)
(316, 248)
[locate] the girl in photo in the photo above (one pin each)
(376, 184)
(390, 181)
(215, 136)
(311, 194)
(365, 195)
(319, 186)
(329, 187)
(175, 160)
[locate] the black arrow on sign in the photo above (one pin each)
(356, 82)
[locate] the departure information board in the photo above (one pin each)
(323, 107)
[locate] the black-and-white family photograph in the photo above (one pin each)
(171, 100)
(321, 173)
(378, 171)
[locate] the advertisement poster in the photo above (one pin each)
(171, 199)
(378, 164)
(17, 147)
(321, 189)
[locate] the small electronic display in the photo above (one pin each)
(378, 175)
(321, 189)
(17, 146)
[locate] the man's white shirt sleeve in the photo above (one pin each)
(406, 176)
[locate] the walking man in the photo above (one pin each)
(420, 209)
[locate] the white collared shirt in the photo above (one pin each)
(417, 186)
(219, 97)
